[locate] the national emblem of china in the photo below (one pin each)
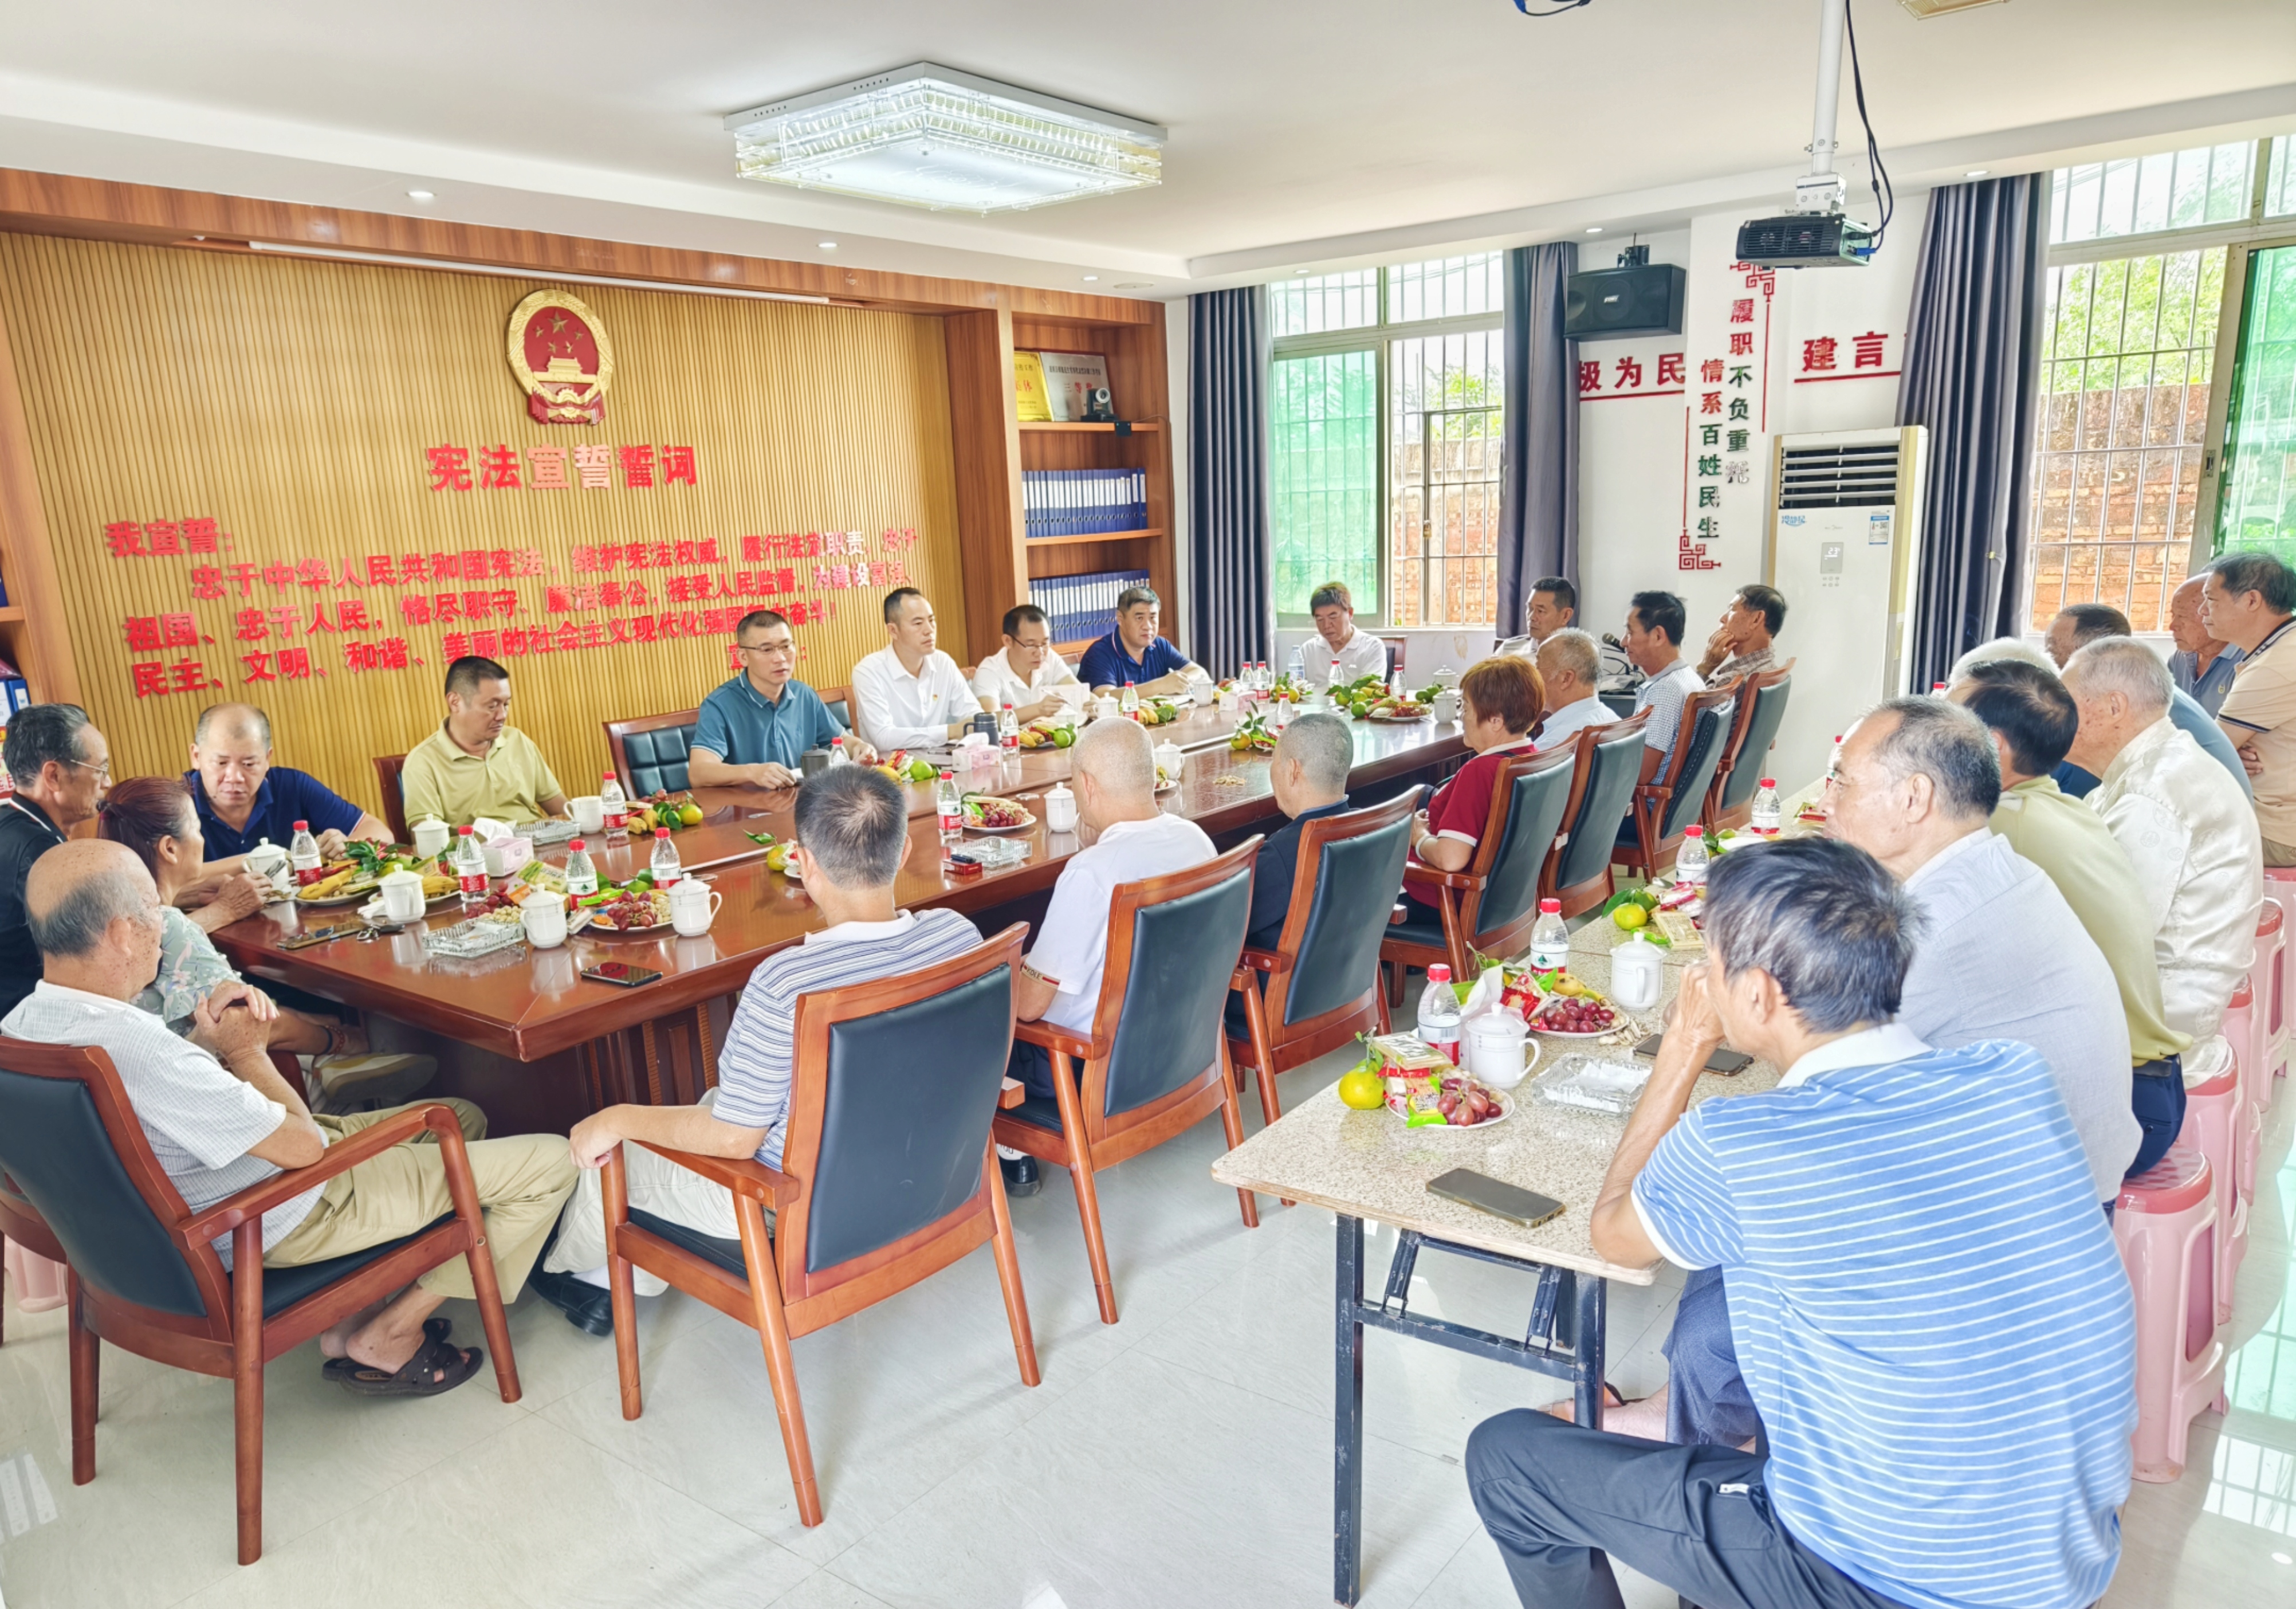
(560, 353)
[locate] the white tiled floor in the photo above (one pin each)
(1181, 1457)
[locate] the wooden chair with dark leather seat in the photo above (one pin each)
(1670, 802)
(1760, 709)
(1323, 975)
(387, 767)
(20, 1221)
(839, 701)
(650, 751)
(1609, 766)
(888, 1176)
(1156, 1060)
(144, 1273)
(1489, 909)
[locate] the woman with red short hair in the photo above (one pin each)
(1500, 701)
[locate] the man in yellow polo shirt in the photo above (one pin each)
(477, 763)
(2034, 721)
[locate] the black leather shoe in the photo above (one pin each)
(1022, 1176)
(586, 1307)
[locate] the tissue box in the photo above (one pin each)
(507, 856)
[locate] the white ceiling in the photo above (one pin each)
(1300, 134)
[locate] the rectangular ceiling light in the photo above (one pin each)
(931, 137)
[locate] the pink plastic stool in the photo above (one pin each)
(2215, 1117)
(2243, 1028)
(39, 1283)
(2166, 1224)
(2267, 978)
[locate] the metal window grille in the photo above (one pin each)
(1444, 471)
(2142, 195)
(2124, 376)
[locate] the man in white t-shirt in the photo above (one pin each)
(1337, 643)
(909, 694)
(1569, 666)
(1115, 782)
(1026, 673)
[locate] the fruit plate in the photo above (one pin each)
(358, 895)
(974, 824)
(1579, 1033)
(1506, 1103)
(599, 930)
(1389, 716)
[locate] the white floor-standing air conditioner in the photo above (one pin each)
(1845, 548)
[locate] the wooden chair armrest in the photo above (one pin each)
(1400, 914)
(1259, 961)
(1052, 1038)
(1417, 872)
(1013, 1093)
(742, 1175)
(256, 1200)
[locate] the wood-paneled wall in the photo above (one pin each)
(293, 400)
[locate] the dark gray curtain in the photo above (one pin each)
(1230, 618)
(1538, 490)
(1972, 375)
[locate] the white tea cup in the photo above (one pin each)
(544, 917)
(693, 906)
(589, 813)
(402, 896)
(1060, 808)
(430, 838)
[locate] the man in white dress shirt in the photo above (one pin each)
(1026, 673)
(1343, 654)
(909, 694)
(2184, 823)
(1568, 664)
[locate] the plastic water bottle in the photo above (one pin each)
(303, 855)
(667, 866)
(1128, 702)
(1298, 671)
(470, 868)
(1550, 940)
(581, 875)
(1765, 818)
(837, 754)
(1008, 726)
(1690, 860)
(948, 804)
(1332, 687)
(1439, 1013)
(616, 806)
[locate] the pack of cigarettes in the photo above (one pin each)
(1679, 931)
(1408, 1053)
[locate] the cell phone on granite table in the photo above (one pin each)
(621, 972)
(1495, 1196)
(1723, 1059)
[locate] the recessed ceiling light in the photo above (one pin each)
(829, 245)
(1597, 229)
(931, 136)
(420, 195)
(1977, 173)
(1090, 277)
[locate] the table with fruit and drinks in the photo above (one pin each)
(525, 1035)
(1365, 1165)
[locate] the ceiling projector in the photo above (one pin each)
(1815, 232)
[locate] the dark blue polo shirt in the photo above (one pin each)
(742, 729)
(1107, 664)
(285, 797)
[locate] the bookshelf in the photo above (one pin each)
(993, 449)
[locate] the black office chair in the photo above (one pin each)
(1609, 767)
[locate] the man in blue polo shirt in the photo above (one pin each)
(1133, 652)
(1929, 1311)
(243, 798)
(755, 729)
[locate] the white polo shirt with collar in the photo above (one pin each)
(1071, 949)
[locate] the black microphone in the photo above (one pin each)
(1611, 642)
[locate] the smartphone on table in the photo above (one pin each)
(1723, 1059)
(621, 972)
(1495, 1196)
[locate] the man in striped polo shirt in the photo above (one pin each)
(852, 835)
(1929, 1308)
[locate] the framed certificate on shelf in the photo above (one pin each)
(1070, 378)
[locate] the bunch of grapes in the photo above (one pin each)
(1568, 1014)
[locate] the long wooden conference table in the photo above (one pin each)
(536, 1044)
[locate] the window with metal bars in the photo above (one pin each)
(2162, 434)
(1385, 435)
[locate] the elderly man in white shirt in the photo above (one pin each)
(2184, 823)
(1026, 673)
(1569, 665)
(909, 694)
(1341, 654)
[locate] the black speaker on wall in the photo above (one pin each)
(1636, 298)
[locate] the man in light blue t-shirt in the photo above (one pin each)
(1906, 1233)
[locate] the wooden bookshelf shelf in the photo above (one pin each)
(1097, 535)
(1070, 651)
(11, 612)
(1144, 427)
